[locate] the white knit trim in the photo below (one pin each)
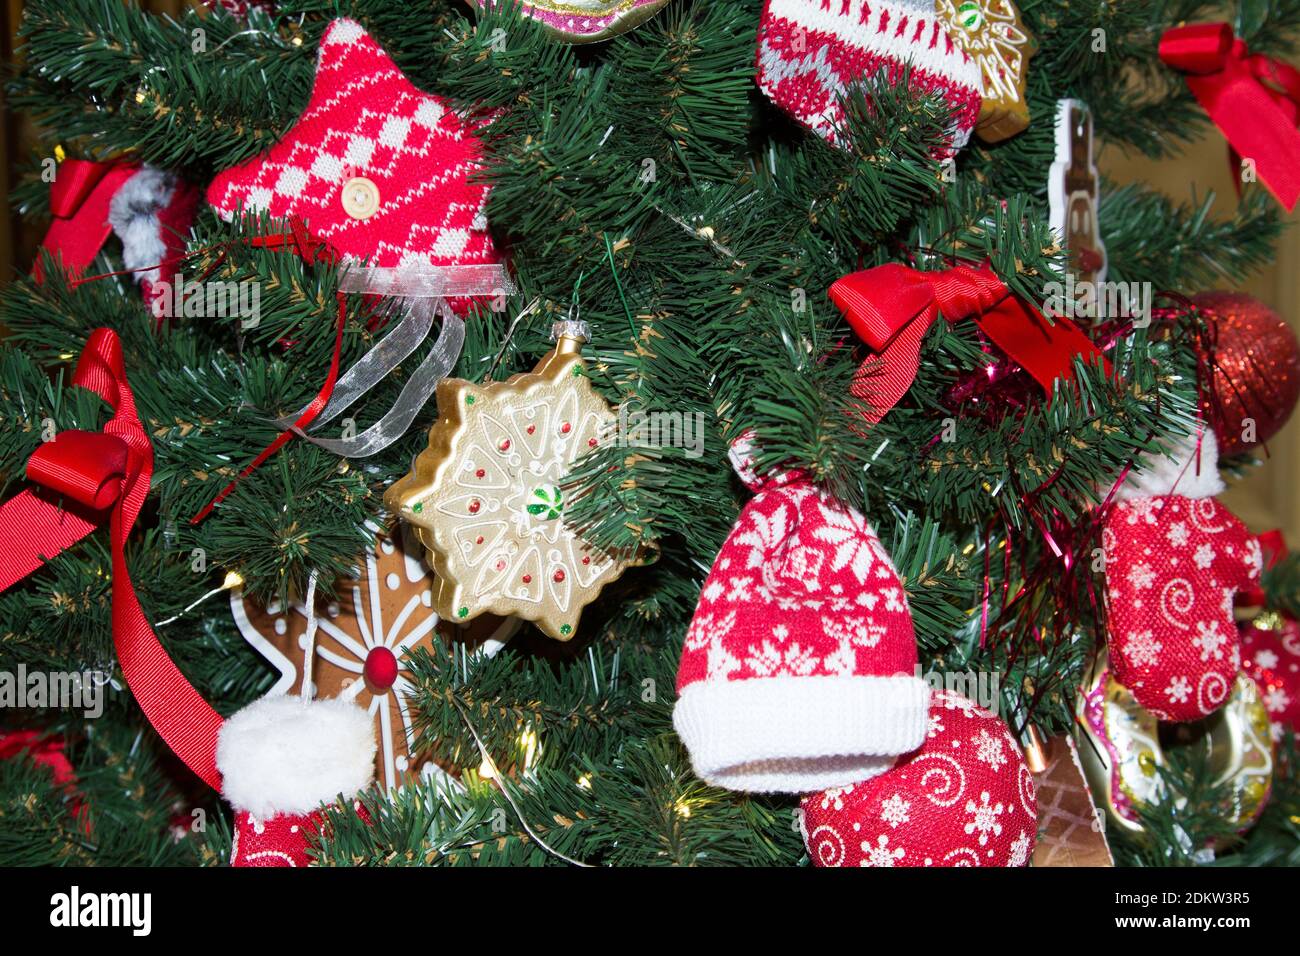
(943, 57)
(800, 734)
(1177, 472)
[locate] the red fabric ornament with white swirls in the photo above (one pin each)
(1175, 559)
(1270, 653)
(965, 798)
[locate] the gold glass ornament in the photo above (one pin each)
(1121, 749)
(486, 501)
(992, 34)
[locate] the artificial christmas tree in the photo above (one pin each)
(653, 178)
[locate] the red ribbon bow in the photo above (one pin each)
(97, 470)
(79, 201)
(1254, 100)
(891, 307)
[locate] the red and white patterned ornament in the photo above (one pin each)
(377, 168)
(811, 51)
(1174, 563)
(1270, 653)
(965, 798)
(798, 669)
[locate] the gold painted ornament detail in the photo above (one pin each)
(993, 35)
(1122, 750)
(585, 21)
(486, 501)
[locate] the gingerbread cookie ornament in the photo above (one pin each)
(364, 640)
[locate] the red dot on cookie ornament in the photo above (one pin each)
(380, 669)
(559, 575)
(474, 506)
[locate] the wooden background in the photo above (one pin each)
(1267, 498)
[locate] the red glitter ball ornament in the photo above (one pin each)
(1257, 370)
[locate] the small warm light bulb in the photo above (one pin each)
(585, 781)
(528, 744)
(683, 809)
(59, 154)
(233, 580)
(487, 770)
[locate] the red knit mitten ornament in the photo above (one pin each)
(1175, 558)
(281, 758)
(810, 51)
(799, 667)
(377, 168)
(965, 798)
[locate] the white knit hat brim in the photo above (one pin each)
(800, 734)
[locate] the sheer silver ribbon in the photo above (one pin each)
(422, 294)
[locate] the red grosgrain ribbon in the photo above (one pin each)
(1253, 99)
(79, 199)
(96, 471)
(310, 250)
(891, 307)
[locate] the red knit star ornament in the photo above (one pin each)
(375, 167)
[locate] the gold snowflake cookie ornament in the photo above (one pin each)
(485, 496)
(993, 35)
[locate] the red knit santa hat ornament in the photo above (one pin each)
(1175, 559)
(152, 214)
(810, 51)
(799, 666)
(965, 798)
(377, 168)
